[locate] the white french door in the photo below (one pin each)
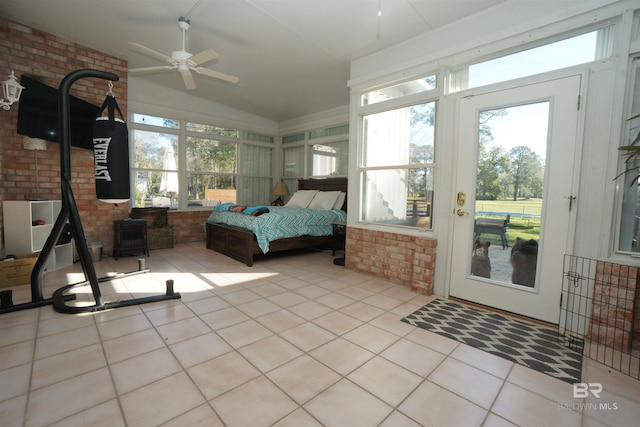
(516, 156)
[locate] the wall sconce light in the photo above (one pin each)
(280, 190)
(11, 91)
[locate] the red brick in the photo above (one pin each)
(51, 58)
(396, 257)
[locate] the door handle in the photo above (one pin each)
(462, 212)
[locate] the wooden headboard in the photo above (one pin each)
(325, 184)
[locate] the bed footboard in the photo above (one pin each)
(241, 244)
(234, 242)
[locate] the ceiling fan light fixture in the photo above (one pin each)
(182, 61)
(181, 55)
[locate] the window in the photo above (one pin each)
(156, 121)
(397, 166)
(315, 153)
(397, 91)
(257, 172)
(294, 161)
(330, 158)
(181, 164)
(629, 227)
(211, 170)
(568, 52)
(155, 178)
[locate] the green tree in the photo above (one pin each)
(493, 165)
(526, 172)
(422, 119)
(493, 161)
(207, 159)
(420, 180)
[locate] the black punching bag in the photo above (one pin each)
(111, 154)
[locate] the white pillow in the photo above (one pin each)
(324, 200)
(301, 198)
(340, 200)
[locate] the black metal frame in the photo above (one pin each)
(597, 312)
(69, 212)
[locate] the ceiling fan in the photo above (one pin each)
(183, 61)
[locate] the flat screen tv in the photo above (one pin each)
(38, 114)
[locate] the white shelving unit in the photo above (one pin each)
(22, 237)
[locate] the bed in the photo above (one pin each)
(241, 243)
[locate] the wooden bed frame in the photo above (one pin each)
(240, 244)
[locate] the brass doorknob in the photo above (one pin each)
(462, 212)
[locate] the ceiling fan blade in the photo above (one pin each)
(149, 70)
(207, 72)
(151, 53)
(203, 57)
(188, 80)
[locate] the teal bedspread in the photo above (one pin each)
(282, 222)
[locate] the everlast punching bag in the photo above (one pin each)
(111, 154)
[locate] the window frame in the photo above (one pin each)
(435, 95)
(630, 129)
(458, 76)
(307, 139)
(242, 139)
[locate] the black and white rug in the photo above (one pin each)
(527, 344)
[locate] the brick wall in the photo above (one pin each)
(49, 59)
(407, 260)
(188, 226)
(614, 298)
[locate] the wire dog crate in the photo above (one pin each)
(599, 312)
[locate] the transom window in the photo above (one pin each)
(576, 50)
(420, 85)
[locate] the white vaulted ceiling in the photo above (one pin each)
(292, 56)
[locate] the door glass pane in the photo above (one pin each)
(512, 146)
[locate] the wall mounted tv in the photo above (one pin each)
(38, 114)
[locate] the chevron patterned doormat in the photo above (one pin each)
(521, 342)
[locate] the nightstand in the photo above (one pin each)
(339, 230)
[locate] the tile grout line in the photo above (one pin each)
(33, 359)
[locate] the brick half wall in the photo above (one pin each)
(403, 259)
(188, 226)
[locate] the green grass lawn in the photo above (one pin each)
(525, 228)
(528, 206)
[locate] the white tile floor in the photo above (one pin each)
(292, 341)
